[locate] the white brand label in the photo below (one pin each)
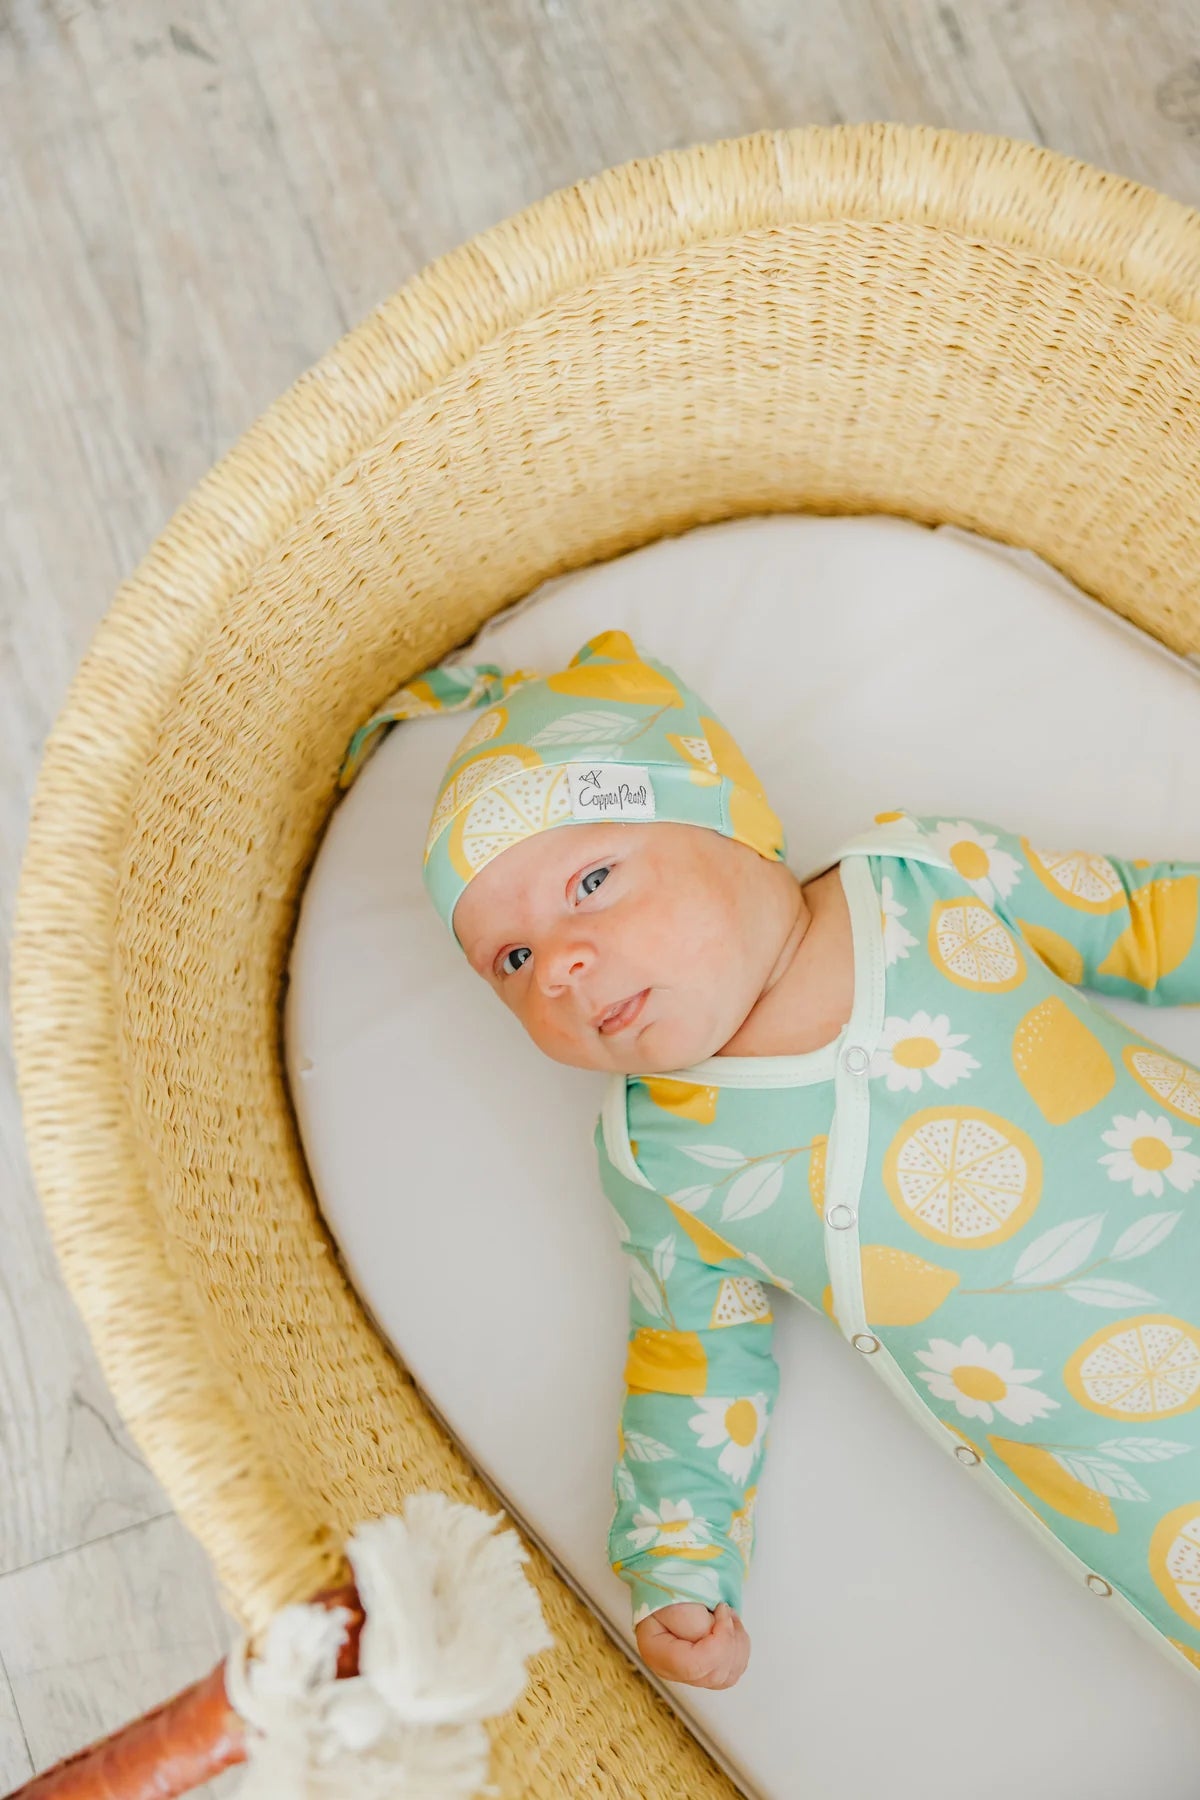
(610, 791)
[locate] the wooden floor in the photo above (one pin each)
(195, 200)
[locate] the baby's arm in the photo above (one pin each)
(697, 1404)
(1120, 926)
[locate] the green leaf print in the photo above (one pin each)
(664, 1258)
(1144, 1234)
(1044, 1265)
(715, 1156)
(1143, 1449)
(754, 1191)
(1099, 1292)
(640, 1448)
(1102, 1476)
(582, 727)
(1059, 1252)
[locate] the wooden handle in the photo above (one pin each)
(181, 1744)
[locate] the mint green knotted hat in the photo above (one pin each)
(614, 735)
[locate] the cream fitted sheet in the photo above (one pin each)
(896, 1615)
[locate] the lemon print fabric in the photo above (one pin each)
(1022, 1244)
(1141, 1368)
(972, 948)
(615, 736)
(963, 1176)
(1062, 1065)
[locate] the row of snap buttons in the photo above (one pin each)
(970, 1457)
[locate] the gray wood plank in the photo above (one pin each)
(16, 1764)
(99, 1635)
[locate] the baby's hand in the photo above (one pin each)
(688, 1643)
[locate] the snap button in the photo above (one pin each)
(965, 1454)
(1098, 1584)
(862, 1340)
(856, 1059)
(841, 1216)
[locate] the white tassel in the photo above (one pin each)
(450, 1620)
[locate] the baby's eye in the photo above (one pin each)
(593, 879)
(509, 963)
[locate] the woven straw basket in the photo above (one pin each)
(867, 319)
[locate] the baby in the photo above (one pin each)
(783, 1052)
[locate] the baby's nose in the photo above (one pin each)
(563, 965)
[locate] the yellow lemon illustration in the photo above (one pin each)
(1174, 1084)
(741, 1300)
(1058, 953)
(1142, 1368)
(963, 1176)
(627, 678)
(686, 1099)
(898, 1287)
(712, 1246)
(666, 1362)
(489, 766)
(752, 819)
(488, 725)
(1193, 1656)
(1161, 932)
(698, 752)
(1175, 1563)
(816, 1173)
(968, 943)
(1084, 880)
(1044, 1476)
(1062, 1065)
(528, 801)
(741, 1527)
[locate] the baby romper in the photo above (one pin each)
(991, 1186)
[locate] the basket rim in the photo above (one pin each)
(64, 1007)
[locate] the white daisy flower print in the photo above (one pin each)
(673, 1527)
(1144, 1150)
(898, 940)
(989, 871)
(913, 1050)
(737, 1427)
(978, 1379)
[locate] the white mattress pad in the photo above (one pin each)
(909, 1637)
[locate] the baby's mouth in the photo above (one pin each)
(619, 1017)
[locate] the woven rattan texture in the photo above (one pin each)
(858, 320)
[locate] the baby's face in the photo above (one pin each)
(634, 948)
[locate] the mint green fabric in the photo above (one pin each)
(614, 735)
(1007, 1224)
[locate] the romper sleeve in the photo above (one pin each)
(701, 1381)
(1119, 926)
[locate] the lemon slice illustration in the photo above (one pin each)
(1143, 1368)
(698, 752)
(1175, 1564)
(1174, 1084)
(741, 1527)
(491, 765)
(488, 725)
(1084, 880)
(970, 945)
(527, 801)
(963, 1176)
(740, 1300)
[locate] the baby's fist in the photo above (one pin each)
(686, 1642)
